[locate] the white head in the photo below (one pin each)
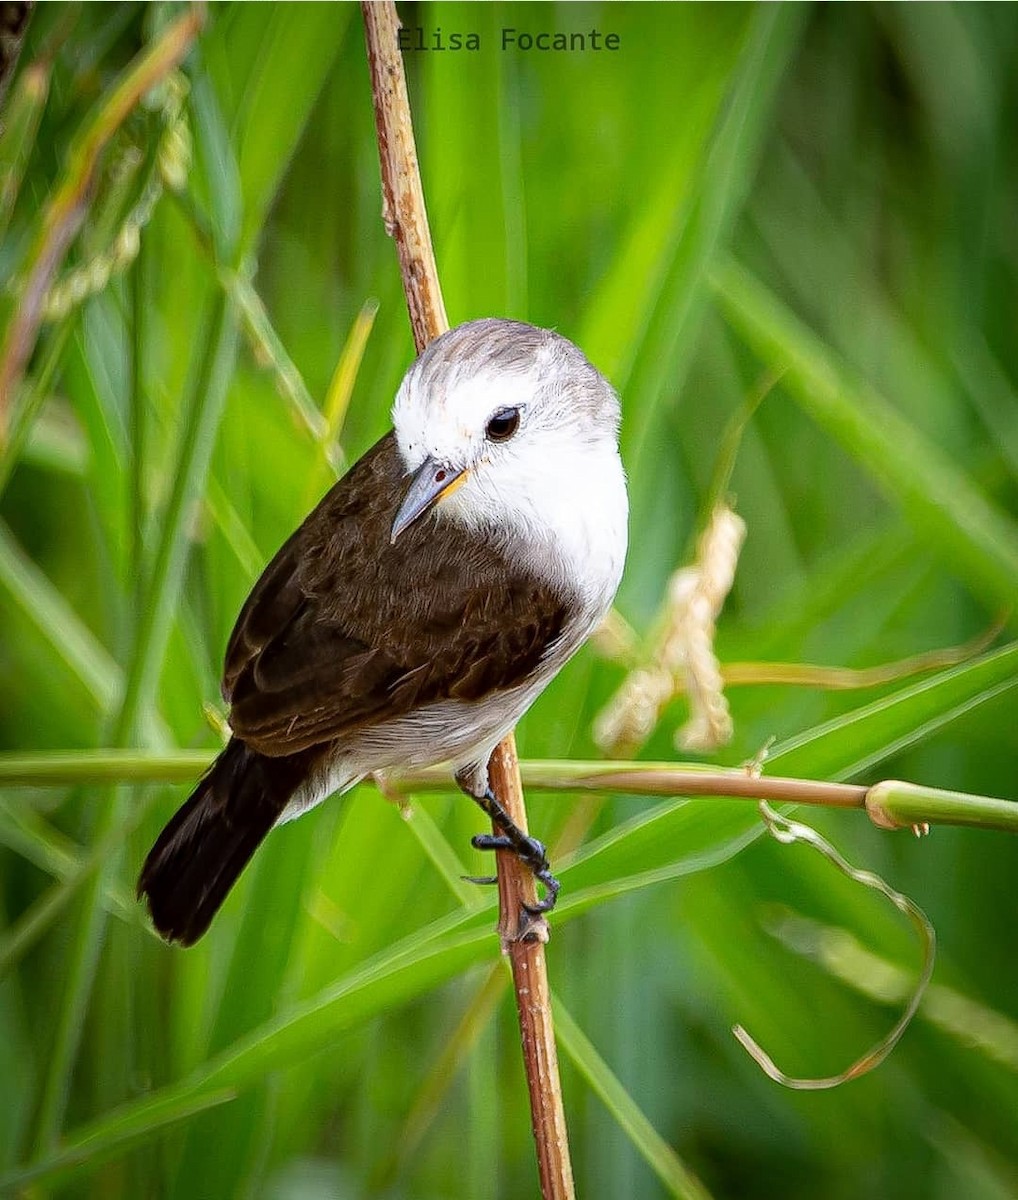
(511, 432)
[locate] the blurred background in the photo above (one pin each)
(794, 223)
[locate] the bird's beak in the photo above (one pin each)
(432, 480)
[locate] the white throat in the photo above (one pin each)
(562, 515)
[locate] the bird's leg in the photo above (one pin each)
(527, 849)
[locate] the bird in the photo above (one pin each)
(420, 608)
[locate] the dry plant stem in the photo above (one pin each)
(522, 937)
(523, 940)
(735, 784)
(738, 674)
(69, 203)
(403, 210)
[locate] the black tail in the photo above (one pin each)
(201, 852)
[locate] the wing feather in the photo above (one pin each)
(341, 631)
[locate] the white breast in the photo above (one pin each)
(578, 537)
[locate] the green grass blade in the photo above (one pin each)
(856, 741)
(21, 120)
(404, 971)
(119, 1131)
(944, 507)
(721, 187)
(205, 409)
(255, 56)
(76, 645)
(655, 1151)
(26, 833)
(202, 422)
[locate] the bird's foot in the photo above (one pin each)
(528, 850)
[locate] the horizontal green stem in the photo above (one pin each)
(902, 805)
(896, 804)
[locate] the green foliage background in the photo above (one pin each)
(825, 195)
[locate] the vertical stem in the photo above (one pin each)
(33, 395)
(403, 210)
(138, 423)
(523, 941)
(523, 938)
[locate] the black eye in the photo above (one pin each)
(503, 424)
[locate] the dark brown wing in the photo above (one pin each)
(344, 628)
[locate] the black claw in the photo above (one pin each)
(551, 891)
(482, 880)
